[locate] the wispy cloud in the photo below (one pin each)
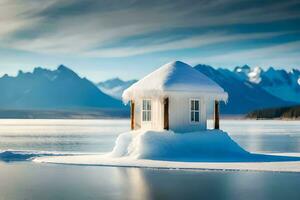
(99, 38)
(185, 43)
(89, 27)
(286, 54)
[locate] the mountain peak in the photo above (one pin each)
(116, 79)
(295, 71)
(53, 89)
(203, 65)
(270, 70)
(246, 66)
(243, 69)
(40, 70)
(65, 70)
(5, 76)
(20, 72)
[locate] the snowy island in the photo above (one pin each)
(168, 128)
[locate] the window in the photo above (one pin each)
(195, 110)
(146, 110)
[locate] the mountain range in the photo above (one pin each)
(248, 88)
(45, 89)
(62, 89)
(115, 87)
(280, 83)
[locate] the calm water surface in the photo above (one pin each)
(27, 180)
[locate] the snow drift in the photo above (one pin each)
(167, 145)
(22, 155)
(202, 146)
(205, 150)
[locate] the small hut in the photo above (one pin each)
(176, 97)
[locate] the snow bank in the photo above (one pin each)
(203, 146)
(206, 150)
(101, 160)
(14, 155)
(167, 145)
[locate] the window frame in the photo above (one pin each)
(147, 111)
(194, 111)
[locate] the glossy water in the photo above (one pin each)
(27, 180)
(265, 135)
(99, 135)
(60, 182)
(60, 135)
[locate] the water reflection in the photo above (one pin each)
(136, 183)
(175, 184)
(25, 180)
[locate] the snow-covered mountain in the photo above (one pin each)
(115, 87)
(248, 88)
(280, 83)
(244, 96)
(52, 89)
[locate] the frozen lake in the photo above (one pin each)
(27, 180)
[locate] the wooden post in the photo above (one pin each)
(132, 114)
(216, 115)
(166, 113)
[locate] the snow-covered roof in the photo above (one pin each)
(175, 77)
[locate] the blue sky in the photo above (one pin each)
(101, 39)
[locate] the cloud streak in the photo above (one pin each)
(279, 55)
(103, 34)
(185, 43)
(88, 28)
